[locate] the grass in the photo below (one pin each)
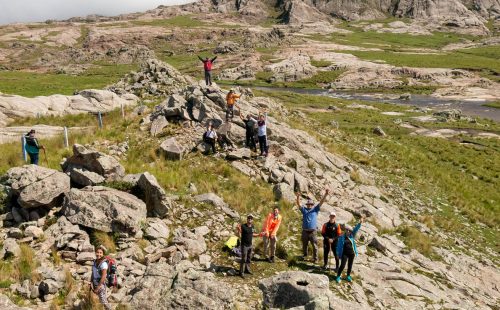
(30, 84)
(414, 239)
(495, 104)
(184, 21)
(99, 238)
(465, 177)
(19, 269)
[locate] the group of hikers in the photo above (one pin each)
(342, 245)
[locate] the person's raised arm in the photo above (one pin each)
(324, 197)
(213, 59)
(355, 230)
(241, 115)
(200, 58)
(297, 195)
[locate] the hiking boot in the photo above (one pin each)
(337, 279)
(348, 279)
(271, 260)
(248, 271)
(325, 267)
(242, 275)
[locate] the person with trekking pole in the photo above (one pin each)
(99, 276)
(331, 232)
(309, 224)
(250, 123)
(346, 250)
(33, 148)
(247, 232)
(269, 231)
(207, 66)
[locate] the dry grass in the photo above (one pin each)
(101, 238)
(25, 266)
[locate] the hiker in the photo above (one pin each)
(331, 232)
(250, 123)
(98, 278)
(247, 232)
(269, 230)
(309, 224)
(346, 250)
(262, 134)
(231, 101)
(207, 66)
(32, 147)
(210, 137)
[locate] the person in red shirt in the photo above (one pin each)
(269, 231)
(207, 66)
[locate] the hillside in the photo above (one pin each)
(380, 102)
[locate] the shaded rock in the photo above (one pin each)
(85, 178)
(157, 125)
(33, 231)
(293, 289)
(36, 186)
(283, 191)
(104, 209)
(94, 161)
(10, 248)
(157, 201)
(15, 233)
(172, 149)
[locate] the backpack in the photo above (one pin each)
(111, 277)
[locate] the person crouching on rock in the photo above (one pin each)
(32, 147)
(210, 137)
(269, 231)
(99, 275)
(309, 224)
(247, 232)
(346, 249)
(231, 101)
(330, 232)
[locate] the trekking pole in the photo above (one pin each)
(330, 258)
(66, 143)
(23, 144)
(99, 119)
(46, 161)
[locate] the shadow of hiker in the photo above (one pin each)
(311, 268)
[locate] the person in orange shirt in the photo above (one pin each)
(269, 230)
(231, 101)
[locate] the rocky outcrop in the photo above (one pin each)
(157, 201)
(35, 186)
(7, 304)
(104, 209)
(91, 100)
(242, 72)
(154, 78)
(94, 161)
(295, 68)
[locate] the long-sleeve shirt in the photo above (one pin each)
(231, 98)
(342, 239)
(272, 224)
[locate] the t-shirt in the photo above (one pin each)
(247, 234)
(211, 134)
(97, 271)
(310, 217)
(262, 128)
(348, 249)
(249, 124)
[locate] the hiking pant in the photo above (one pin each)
(103, 298)
(34, 158)
(346, 258)
(310, 236)
(208, 77)
(271, 243)
(250, 141)
(211, 142)
(246, 256)
(326, 250)
(230, 111)
(263, 144)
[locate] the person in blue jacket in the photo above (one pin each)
(32, 147)
(310, 224)
(346, 250)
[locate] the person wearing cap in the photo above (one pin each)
(330, 232)
(346, 250)
(231, 101)
(309, 224)
(32, 147)
(247, 232)
(269, 230)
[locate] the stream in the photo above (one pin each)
(468, 107)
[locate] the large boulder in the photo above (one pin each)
(104, 209)
(36, 186)
(94, 161)
(172, 149)
(157, 201)
(10, 248)
(85, 177)
(294, 289)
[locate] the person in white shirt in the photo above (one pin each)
(210, 137)
(262, 135)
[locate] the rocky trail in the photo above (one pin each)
(168, 261)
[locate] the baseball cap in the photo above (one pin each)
(249, 216)
(333, 214)
(348, 227)
(309, 202)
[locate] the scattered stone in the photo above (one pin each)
(85, 178)
(379, 131)
(156, 229)
(10, 249)
(172, 149)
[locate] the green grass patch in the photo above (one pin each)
(30, 84)
(495, 104)
(320, 63)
